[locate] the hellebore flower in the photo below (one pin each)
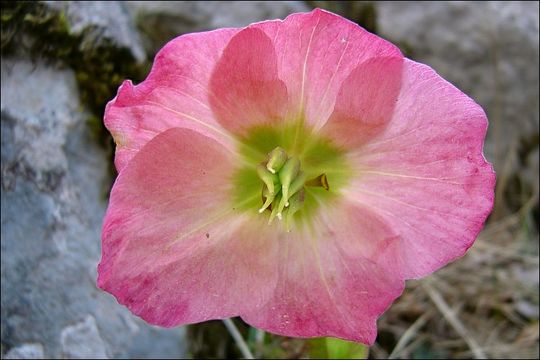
(293, 173)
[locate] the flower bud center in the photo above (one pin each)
(283, 185)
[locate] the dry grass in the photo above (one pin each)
(484, 305)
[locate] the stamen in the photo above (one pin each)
(276, 159)
(268, 199)
(281, 205)
(268, 178)
(319, 181)
(287, 174)
(275, 211)
(296, 185)
(295, 203)
(283, 190)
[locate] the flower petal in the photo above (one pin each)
(174, 95)
(365, 102)
(425, 175)
(324, 291)
(245, 89)
(174, 251)
(316, 51)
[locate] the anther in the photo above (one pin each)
(275, 212)
(268, 178)
(287, 174)
(276, 159)
(319, 181)
(296, 185)
(267, 198)
(295, 203)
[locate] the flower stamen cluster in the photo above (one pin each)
(283, 189)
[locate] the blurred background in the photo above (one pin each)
(62, 62)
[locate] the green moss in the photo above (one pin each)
(32, 28)
(162, 27)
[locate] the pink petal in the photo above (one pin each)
(173, 95)
(365, 102)
(425, 176)
(316, 51)
(245, 89)
(174, 251)
(322, 290)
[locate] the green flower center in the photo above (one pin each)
(283, 191)
(289, 172)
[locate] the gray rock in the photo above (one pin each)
(490, 50)
(83, 341)
(54, 188)
(26, 351)
(101, 23)
(161, 21)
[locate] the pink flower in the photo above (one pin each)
(367, 165)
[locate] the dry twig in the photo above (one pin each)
(454, 321)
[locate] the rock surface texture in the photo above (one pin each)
(54, 185)
(101, 22)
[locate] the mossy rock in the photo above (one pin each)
(38, 30)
